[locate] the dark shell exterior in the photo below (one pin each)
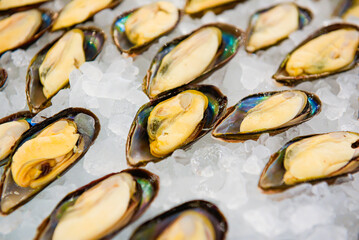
(148, 187)
(48, 18)
(342, 7)
(232, 38)
(271, 179)
(281, 76)
(151, 229)
(228, 128)
(3, 78)
(305, 17)
(120, 38)
(217, 10)
(25, 115)
(93, 44)
(137, 147)
(88, 126)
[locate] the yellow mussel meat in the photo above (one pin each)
(353, 11)
(8, 4)
(195, 6)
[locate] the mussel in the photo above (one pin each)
(44, 153)
(134, 31)
(192, 57)
(194, 220)
(330, 50)
(197, 8)
(49, 70)
(173, 120)
(78, 11)
(102, 208)
(311, 158)
(270, 26)
(347, 8)
(3, 78)
(269, 112)
(6, 5)
(20, 29)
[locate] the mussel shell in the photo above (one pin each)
(118, 32)
(271, 179)
(232, 38)
(305, 17)
(148, 185)
(88, 126)
(342, 7)
(3, 78)
(284, 78)
(238, 112)
(151, 229)
(48, 18)
(36, 100)
(137, 147)
(24, 115)
(216, 10)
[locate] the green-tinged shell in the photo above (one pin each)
(228, 128)
(282, 76)
(272, 177)
(36, 100)
(21, 5)
(217, 8)
(3, 78)
(232, 38)
(137, 147)
(147, 189)
(344, 6)
(153, 228)
(88, 127)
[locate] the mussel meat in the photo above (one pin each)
(15, 4)
(197, 8)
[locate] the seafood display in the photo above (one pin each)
(3, 78)
(108, 205)
(78, 11)
(205, 50)
(23, 28)
(330, 50)
(271, 112)
(311, 158)
(60, 142)
(11, 4)
(347, 9)
(192, 220)
(173, 120)
(49, 70)
(134, 31)
(269, 26)
(198, 7)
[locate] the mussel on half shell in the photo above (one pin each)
(44, 153)
(106, 205)
(173, 120)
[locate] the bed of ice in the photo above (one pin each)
(223, 173)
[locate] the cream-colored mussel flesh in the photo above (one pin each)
(191, 225)
(63, 57)
(319, 156)
(172, 121)
(326, 53)
(352, 11)
(273, 26)
(78, 11)
(10, 132)
(7, 4)
(187, 61)
(98, 210)
(18, 28)
(150, 21)
(274, 112)
(194, 6)
(40, 159)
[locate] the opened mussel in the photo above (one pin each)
(197, 8)
(330, 50)
(311, 158)
(22, 28)
(6, 5)
(102, 208)
(270, 112)
(192, 57)
(173, 120)
(44, 153)
(78, 11)
(3, 78)
(194, 220)
(49, 70)
(134, 31)
(347, 8)
(270, 26)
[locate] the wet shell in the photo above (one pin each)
(12, 195)
(345, 9)
(282, 76)
(228, 128)
(36, 100)
(216, 7)
(147, 186)
(3, 78)
(155, 227)
(137, 148)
